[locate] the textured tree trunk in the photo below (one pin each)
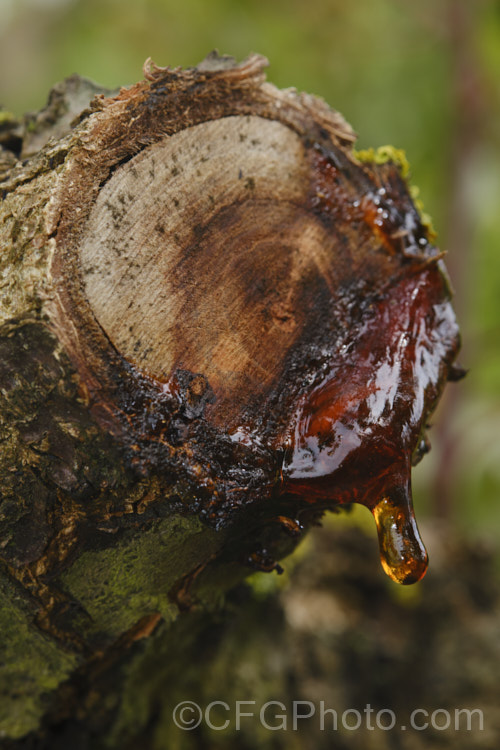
(205, 296)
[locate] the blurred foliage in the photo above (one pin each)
(423, 76)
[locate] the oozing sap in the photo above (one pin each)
(356, 431)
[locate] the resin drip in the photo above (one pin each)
(357, 429)
(403, 555)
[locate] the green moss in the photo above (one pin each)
(120, 585)
(6, 118)
(194, 662)
(224, 656)
(384, 154)
(425, 218)
(397, 156)
(30, 665)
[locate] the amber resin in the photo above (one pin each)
(357, 429)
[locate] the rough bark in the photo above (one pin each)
(215, 322)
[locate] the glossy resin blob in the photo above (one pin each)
(357, 431)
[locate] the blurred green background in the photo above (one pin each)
(423, 76)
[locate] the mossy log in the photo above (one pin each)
(216, 321)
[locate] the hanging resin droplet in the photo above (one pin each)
(402, 553)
